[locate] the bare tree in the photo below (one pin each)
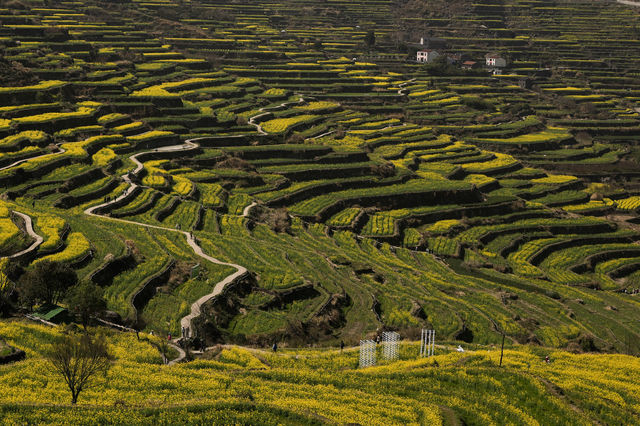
(78, 359)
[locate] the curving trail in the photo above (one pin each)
(59, 151)
(321, 135)
(28, 223)
(258, 126)
(265, 110)
(247, 209)
(181, 354)
(401, 89)
(219, 287)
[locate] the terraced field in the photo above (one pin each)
(358, 188)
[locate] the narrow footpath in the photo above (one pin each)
(28, 223)
(191, 240)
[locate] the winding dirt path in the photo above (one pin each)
(321, 135)
(265, 110)
(181, 354)
(247, 209)
(401, 89)
(59, 151)
(28, 223)
(217, 289)
(191, 240)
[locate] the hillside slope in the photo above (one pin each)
(360, 189)
(324, 386)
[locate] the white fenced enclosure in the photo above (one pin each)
(390, 341)
(427, 343)
(367, 353)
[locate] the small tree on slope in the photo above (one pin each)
(86, 299)
(78, 359)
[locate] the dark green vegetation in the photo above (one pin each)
(521, 186)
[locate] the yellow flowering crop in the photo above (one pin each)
(49, 227)
(307, 385)
(104, 157)
(280, 125)
(183, 186)
(630, 203)
(77, 247)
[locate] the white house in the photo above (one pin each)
(426, 55)
(495, 61)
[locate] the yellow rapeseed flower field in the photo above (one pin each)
(280, 125)
(324, 385)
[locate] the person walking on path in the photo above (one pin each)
(341, 345)
(275, 347)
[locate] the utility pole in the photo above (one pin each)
(502, 349)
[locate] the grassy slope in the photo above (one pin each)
(448, 298)
(313, 385)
